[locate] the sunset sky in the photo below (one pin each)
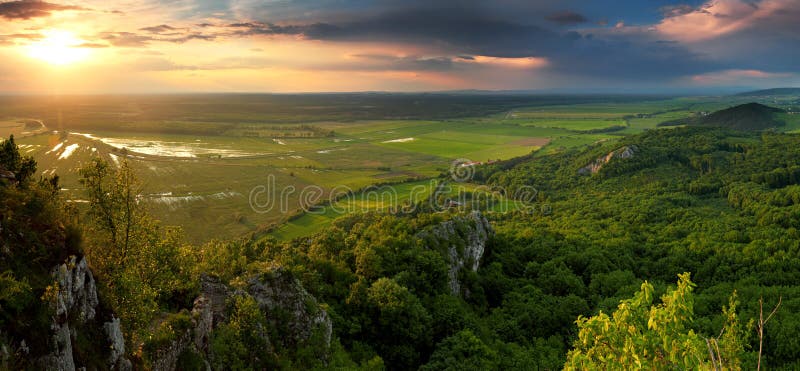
(126, 46)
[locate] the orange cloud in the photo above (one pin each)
(720, 17)
(524, 62)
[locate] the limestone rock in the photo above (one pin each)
(216, 294)
(279, 291)
(77, 292)
(116, 358)
(75, 310)
(60, 358)
(621, 153)
(281, 298)
(463, 241)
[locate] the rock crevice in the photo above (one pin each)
(620, 153)
(463, 242)
(75, 306)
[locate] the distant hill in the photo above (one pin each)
(770, 92)
(750, 116)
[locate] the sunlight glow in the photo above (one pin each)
(59, 48)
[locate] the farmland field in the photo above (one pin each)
(200, 157)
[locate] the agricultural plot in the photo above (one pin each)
(204, 182)
(199, 164)
(478, 141)
(372, 199)
(579, 124)
(208, 197)
(397, 197)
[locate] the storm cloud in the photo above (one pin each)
(567, 18)
(571, 41)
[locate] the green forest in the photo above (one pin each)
(682, 254)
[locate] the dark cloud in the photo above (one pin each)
(406, 63)
(126, 39)
(159, 29)
(566, 18)
(678, 10)
(265, 29)
(27, 9)
(137, 40)
(640, 60)
(460, 31)
(454, 32)
(189, 37)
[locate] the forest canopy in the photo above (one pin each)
(546, 290)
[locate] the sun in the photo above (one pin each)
(58, 47)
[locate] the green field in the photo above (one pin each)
(199, 160)
(375, 199)
(396, 197)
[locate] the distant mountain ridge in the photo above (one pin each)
(748, 117)
(770, 92)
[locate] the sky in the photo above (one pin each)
(624, 46)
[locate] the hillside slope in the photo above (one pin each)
(453, 289)
(51, 316)
(770, 92)
(749, 116)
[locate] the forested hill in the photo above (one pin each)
(750, 116)
(724, 205)
(770, 92)
(619, 222)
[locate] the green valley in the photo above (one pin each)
(408, 243)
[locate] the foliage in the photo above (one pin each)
(23, 167)
(646, 336)
(724, 205)
(36, 234)
(140, 265)
(243, 342)
(462, 351)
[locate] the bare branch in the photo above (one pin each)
(780, 299)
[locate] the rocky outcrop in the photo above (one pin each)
(203, 320)
(281, 298)
(216, 294)
(77, 292)
(463, 241)
(278, 291)
(75, 305)
(60, 357)
(620, 153)
(166, 358)
(113, 330)
(208, 310)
